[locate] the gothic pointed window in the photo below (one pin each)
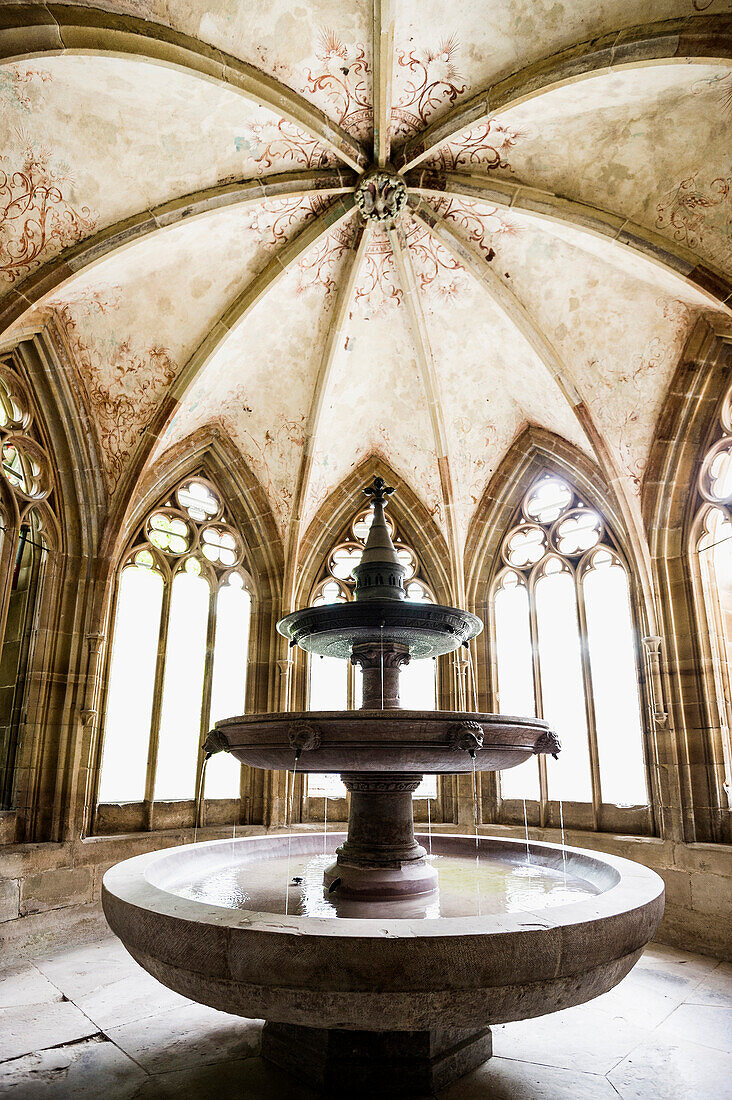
(336, 685)
(27, 538)
(712, 548)
(178, 659)
(565, 649)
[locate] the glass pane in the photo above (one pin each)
(228, 687)
(562, 689)
(131, 685)
(417, 685)
(549, 499)
(515, 679)
(328, 690)
(418, 691)
(328, 684)
(180, 719)
(615, 685)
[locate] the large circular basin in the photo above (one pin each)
(382, 972)
(383, 740)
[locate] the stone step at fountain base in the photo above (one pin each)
(375, 1063)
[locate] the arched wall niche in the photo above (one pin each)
(534, 452)
(688, 425)
(47, 760)
(210, 454)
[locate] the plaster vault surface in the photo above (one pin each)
(178, 209)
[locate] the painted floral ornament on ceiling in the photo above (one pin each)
(381, 195)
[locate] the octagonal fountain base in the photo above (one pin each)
(408, 987)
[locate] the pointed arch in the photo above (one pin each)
(62, 651)
(671, 504)
(575, 694)
(534, 451)
(408, 510)
(208, 455)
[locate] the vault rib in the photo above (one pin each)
(594, 221)
(517, 314)
(256, 289)
(325, 370)
(383, 53)
(699, 39)
(115, 238)
(428, 372)
(30, 31)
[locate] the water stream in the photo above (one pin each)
(477, 840)
(564, 850)
(526, 831)
(472, 679)
(381, 628)
(429, 825)
(325, 824)
(199, 795)
(288, 822)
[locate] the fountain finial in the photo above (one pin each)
(380, 574)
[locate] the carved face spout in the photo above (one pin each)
(381, 195)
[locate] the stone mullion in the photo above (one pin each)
(152, 755)
(200, 802)
(589, 699)
(538, 703)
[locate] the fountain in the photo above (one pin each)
(381, 972)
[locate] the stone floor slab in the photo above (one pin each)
(582, 1039)
(25, 985)
(129, 999)
(78, 971)
(716, 989)
(36, 1027)
(249, 1078)
(504, 1079)
(188, 1037)
(87, 1070)
(707, 1025)
(664, 1070)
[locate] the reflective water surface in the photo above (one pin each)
(464, 889)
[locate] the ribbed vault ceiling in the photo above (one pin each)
(177, 206)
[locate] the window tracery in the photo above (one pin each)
(336, 685)
(565, 650)
(712, 544)
(178, 657)
(28, 526)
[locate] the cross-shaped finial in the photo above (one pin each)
(378, 490)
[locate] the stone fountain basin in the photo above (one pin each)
(382, 974)
(383, 740)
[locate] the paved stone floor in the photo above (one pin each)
(87, 1022)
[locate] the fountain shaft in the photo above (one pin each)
(381, 858)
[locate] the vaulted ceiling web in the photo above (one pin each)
(188, 228)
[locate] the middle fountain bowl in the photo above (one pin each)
(381, 751)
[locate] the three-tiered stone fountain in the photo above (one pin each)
(381, 972)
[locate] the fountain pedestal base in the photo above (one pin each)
(380, 858)
(376, 1063)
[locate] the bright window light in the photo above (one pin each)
(131, 685)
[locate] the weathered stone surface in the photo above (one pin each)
(51, 889)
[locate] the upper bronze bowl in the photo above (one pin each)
(332, 630)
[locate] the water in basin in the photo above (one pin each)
(464, 888)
